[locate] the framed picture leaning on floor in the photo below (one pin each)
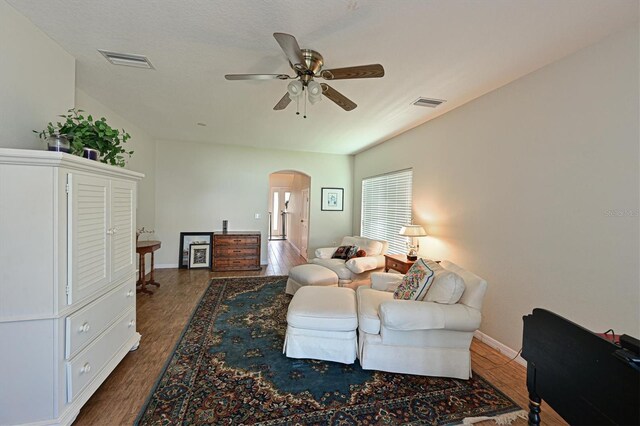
(199, 256)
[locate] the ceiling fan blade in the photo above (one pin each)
(341, 100)
(282, 103)
(360, 71)
(257, 77)
(290, 46)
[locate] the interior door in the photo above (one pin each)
(304, 224)
(87, 240)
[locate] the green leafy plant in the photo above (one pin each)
(85, 132)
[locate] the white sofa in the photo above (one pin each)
(418, 337)
(358, 268)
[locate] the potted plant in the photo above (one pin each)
(85, 133)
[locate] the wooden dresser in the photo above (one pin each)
(236, 251)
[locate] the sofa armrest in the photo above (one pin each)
(325, 252)
(358, 265)
(406, 315)
(380, 259)
(384, 281)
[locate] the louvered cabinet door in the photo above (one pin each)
(123, 251)
(88, 239)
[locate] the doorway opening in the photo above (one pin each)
(289, 209)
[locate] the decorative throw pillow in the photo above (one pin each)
(416, 282)
(341, 252)
(361, 253)
(352, 252)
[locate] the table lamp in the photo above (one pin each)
(411, 232)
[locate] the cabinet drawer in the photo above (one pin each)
(237, 264)
(85, 366)
(236, 240)
(86, 324)
(236, 251)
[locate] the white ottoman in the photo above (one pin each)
(321, 324)
(310, 274)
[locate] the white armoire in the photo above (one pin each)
(67, 281)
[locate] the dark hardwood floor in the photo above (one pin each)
(162, 317)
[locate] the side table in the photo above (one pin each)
(398, 262)
(142, 248)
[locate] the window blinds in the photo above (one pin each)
(386, 207)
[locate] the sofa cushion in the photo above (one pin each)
(372, 247)
(447, 287)
(336, 265)
(369, 301)
(416, 282)
(475, 287)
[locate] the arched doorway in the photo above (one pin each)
(289, 209)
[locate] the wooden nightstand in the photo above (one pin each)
(397, 262)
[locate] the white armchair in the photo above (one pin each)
(358, 268)
(418, 337)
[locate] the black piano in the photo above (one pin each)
(586, 378)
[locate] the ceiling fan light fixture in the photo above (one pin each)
(294, 89)
(314, 88)
(314, 99)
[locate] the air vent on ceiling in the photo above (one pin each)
(126, 59)
(429, 103)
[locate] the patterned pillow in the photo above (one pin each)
(352, 252)
(341, 252)
(416, 282)
(361, 253)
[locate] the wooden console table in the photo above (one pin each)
(142, 248)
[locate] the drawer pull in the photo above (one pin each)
(130, 293)
(237, 251)
(132, 323)
(84, 328)
(237, 241)
(395, 264)
(85, 368)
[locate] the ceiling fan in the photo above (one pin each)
(307, 65)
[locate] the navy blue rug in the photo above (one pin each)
(228, 368)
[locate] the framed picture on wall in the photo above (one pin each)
(189, 238)
(332, 199)
(199, 256)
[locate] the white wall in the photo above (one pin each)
(199, 185)
(37, 80)
(524, 185)
(143, 159)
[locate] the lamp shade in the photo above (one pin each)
(413, 231)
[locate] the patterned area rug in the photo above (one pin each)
(228, 368)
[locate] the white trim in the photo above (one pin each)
(165, 265)
(59, 159)
(500, 347)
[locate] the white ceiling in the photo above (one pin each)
(447, 49)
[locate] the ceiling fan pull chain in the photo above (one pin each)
(305, 103)
(297, 105)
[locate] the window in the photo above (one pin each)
(386, 207)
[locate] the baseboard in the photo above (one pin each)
(165, 265)
(500, 347)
